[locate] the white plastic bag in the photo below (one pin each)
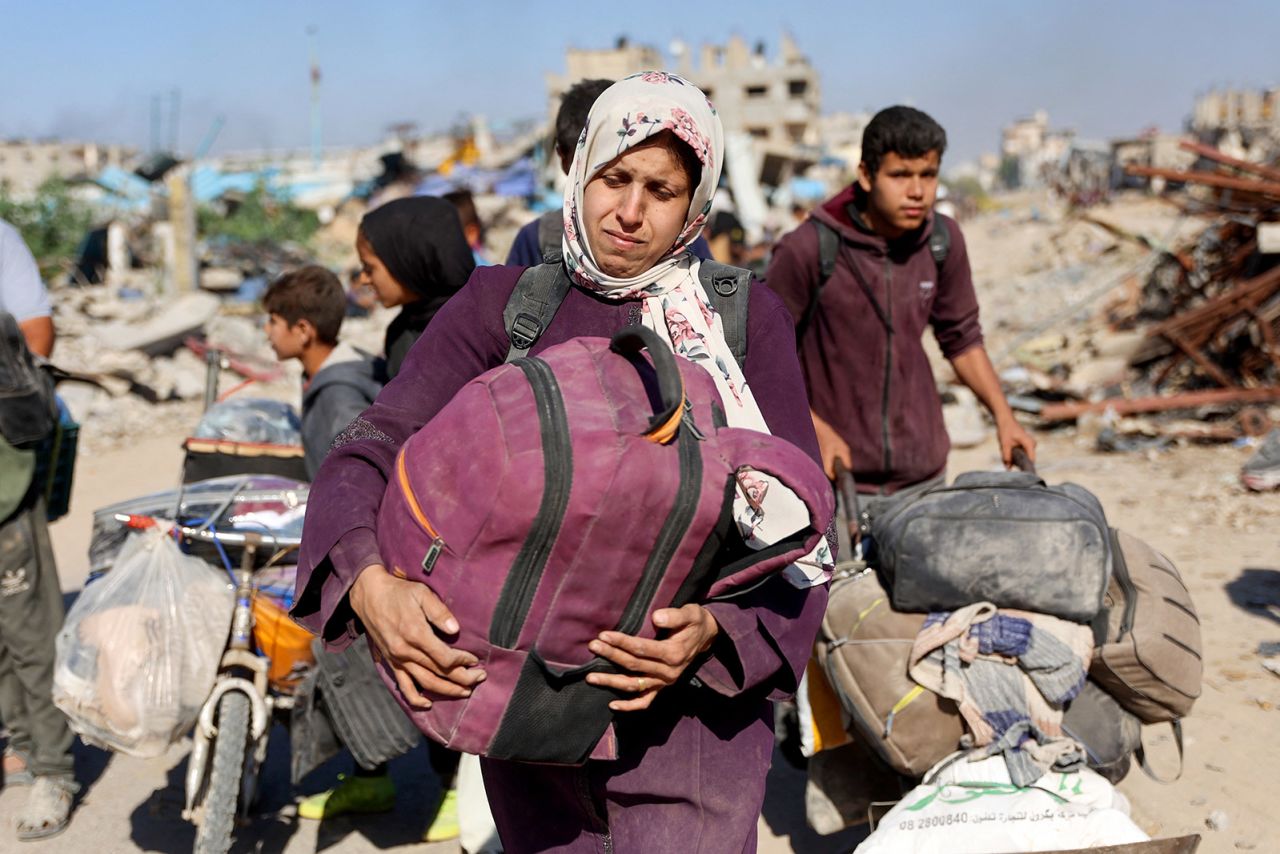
(973, 807)
(139, 650)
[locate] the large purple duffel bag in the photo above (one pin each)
(548, 502)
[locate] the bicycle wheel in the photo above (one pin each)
(229, 746)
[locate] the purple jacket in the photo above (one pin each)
(700, 753)
(875, 389)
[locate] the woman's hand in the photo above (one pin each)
(398, 615)
(654, 664)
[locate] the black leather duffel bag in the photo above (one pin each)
(1000, 537)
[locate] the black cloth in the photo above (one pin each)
(420, 241)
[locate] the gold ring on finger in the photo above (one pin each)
(641, 684)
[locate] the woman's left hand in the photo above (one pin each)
(654, 664)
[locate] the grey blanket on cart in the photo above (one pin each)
(1011, 673)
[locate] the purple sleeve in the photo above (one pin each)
(339, 539)
(954, 316)
(767, 635)
(525, 251)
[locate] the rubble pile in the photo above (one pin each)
(1187, 349)
(1216, 301)
(132, 360)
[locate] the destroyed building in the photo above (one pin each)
(1243, 110)
(776, 102)
(1030, 151)
(26, 164)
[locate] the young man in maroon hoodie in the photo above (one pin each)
(860, 328)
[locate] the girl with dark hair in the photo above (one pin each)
(413, 254)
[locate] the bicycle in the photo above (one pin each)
(229, 742)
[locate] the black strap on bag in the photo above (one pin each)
(829, 244)
(29, 411)
(540, 290)
(1141, 753)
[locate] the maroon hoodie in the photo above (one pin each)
(864, 362)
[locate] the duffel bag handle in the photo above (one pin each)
(629, 342)
(1022, 460)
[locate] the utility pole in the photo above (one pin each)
(315, 96)
(175, 103)
(155, 123)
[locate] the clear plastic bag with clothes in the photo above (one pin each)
(139, 650)
(252, 419)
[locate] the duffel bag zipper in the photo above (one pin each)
(673, 529)
(437, 542)
(557, 459)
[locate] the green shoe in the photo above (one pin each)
(351, 795)
(445, 824)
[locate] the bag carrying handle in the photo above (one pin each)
(1022, 460)
(629, 342)
(848, 492)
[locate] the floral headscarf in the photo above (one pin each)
(626, 114)
(674, 303)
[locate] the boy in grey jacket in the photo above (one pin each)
(305, 308)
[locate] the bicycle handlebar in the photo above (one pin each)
(210, 535)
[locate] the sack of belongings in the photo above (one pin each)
(1001, 537)
(139, 650)
(863, 648)
(586, 511)
(970, 805)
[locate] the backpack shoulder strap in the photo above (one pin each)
(939, 241)
(828, 249)
(550, 233)
(729, 291)
(537, 297)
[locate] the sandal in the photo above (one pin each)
(48, 807)
(16, 772)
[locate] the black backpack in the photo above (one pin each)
(28, 409)
(829, 248)
(541, 289)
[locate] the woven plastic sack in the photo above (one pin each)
(139, 650)
(971, 807)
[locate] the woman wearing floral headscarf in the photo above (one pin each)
(683, 768)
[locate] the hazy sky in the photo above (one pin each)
(88, 70)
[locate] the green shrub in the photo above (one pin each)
(52, 223)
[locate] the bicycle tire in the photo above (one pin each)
(223, 791)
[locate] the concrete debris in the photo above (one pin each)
(168, 325)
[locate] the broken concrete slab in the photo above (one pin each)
(166, 328)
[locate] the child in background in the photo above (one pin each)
(305, 308)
